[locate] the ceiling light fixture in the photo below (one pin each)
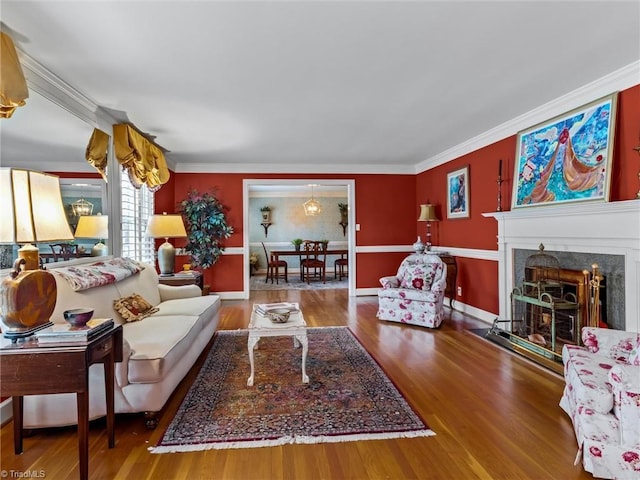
(82, 207)
(312, 207)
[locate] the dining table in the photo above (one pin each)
(276, 254)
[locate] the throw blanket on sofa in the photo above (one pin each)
(99, 273)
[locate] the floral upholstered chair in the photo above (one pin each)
(415, 294)
(602, 398)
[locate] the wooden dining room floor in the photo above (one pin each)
(495, 414)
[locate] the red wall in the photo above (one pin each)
(387, 207)
(386, 210)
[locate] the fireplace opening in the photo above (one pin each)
(549, 308)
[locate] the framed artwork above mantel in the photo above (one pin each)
(567, 158)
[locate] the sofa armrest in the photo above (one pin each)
(169, 292)
(616, 344)
(390, 282)
(625, 386)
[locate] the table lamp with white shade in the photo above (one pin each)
(166, 226)
(94, 226)
(32, 211)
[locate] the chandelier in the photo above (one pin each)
(82, 207)
(312, 207)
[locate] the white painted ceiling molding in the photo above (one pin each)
(621, 79)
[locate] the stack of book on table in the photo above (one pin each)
(264, 308)
(65, 334)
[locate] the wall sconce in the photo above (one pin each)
(33, 212)
(344, 217)
(428, 214)
(266, 218)
(166, 226)
(312, 207)
(94, 226)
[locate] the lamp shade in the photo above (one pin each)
(166, 226)
(93, 226)
(428, 213)
(32, 207)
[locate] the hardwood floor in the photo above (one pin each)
(495, 415)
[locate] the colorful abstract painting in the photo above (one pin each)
(566, 159)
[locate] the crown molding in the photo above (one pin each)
(623, 78)
(43, 81)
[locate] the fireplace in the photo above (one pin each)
(579, 235)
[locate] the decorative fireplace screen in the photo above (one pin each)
(549, 309)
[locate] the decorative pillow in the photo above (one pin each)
(420, 277)
(133, 308)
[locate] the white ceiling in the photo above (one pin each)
(309, 86)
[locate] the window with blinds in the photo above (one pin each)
(137, 207)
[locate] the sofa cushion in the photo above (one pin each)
(587, 375)
(157, 344)
(133, 307)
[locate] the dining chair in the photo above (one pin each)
(273, 266)
(64, 251)
(340, 267)
(314, 256)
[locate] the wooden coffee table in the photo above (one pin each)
(260, 326)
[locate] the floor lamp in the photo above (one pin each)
(428, 214)
(32, 212)
(166, 226)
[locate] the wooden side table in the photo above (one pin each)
(29, 369)
(192, 277)
(452, 273)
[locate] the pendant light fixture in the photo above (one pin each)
(312, 207)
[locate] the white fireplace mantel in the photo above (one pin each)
(606, 227)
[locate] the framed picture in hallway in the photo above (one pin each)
(568, 158)
(458, 193)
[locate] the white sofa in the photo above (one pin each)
(415, 294)
(602, 397)
(158, 351)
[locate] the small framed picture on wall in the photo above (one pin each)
(458, 193)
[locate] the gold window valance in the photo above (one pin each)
(143, 161)
(13, 86)
(96, 153)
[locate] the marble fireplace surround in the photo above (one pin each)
(609, 228)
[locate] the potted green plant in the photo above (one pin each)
(296, 243)
(325, 244)
(266, 214)
(207, 227)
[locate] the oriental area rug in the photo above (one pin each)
(348, 396)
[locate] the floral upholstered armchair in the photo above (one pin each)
(602, 398)
(415, 294)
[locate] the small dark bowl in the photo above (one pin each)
(78, 317)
